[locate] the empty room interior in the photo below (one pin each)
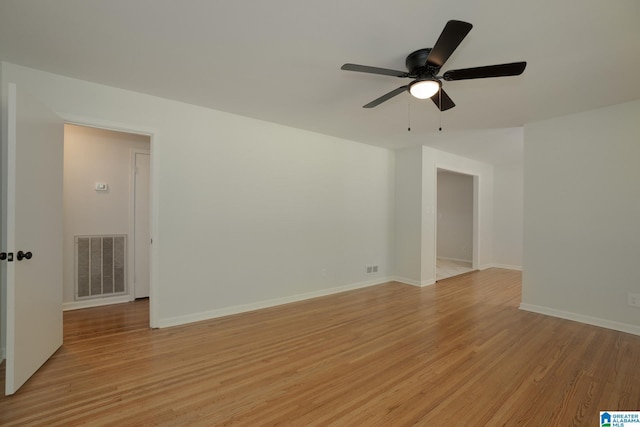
(202, 225)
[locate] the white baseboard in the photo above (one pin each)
(243, 308)
(77, 305)
(508, 267)
(455, 259)
(405, 280)
(420, 284)
(505, 266)
(595, 321)
(428, 282)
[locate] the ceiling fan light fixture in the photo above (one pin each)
(423, 89)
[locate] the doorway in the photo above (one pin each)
(455, 222)
(106, 216)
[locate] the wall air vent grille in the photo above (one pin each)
(100, 266)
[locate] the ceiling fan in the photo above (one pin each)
(425, 64)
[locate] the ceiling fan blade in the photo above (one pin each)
(501, 70)
(385, 97)
(442, 96)
(374, 70)
(450, 38)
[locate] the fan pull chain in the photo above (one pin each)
(409, 117)
(440, 108)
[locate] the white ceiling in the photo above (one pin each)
(279, 60)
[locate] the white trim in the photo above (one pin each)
(475, 232)
(420, 284)
(243, 308)
(97, 302)
(427, 282)
(9, 267)
(504, 266)
(455, 259)
(2, 354)
(475, 244)
(133, 176)
(508, 267)
(74, 119)
(596, 321)
(406, 281)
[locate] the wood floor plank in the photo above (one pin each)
(459, 352)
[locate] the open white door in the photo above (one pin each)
(32, 224)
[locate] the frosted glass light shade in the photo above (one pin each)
(423, 89)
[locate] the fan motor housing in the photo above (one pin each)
(416, 62)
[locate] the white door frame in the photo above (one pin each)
(153, 202)
(476, 218)
(132, 218)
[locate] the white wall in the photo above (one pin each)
(246, 213)
(455, 216)
(408, 216)
(508, 215)
(582, 216)
(91, 156)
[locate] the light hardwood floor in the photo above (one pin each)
(456, 353)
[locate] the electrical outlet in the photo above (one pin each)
(634, 299)
(375, 269)
(369, 269)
